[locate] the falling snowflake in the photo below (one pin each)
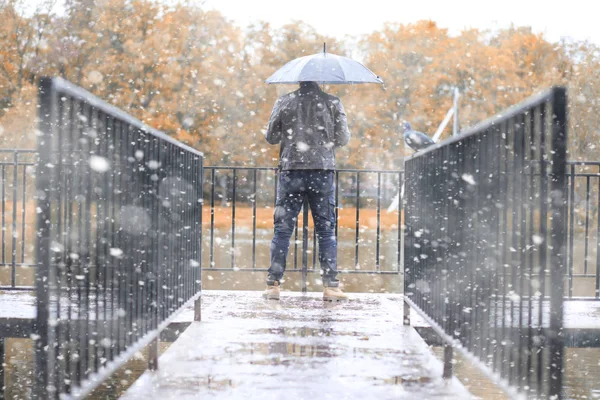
(469, 179)
(99, 164)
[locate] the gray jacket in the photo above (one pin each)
(309, 124)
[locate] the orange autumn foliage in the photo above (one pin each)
(197, 76)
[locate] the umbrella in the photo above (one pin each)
(324, 68)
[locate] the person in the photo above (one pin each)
(309, 125)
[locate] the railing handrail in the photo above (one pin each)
(530, 102)
(17, 150)
(82, 94)
(251, 168)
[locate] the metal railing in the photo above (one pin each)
(486, 242)
(17, 216)
(16, 190)
(119, 214)
(583, 255)
(245, 196)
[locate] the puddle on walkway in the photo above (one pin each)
(298, 347)
(298, 343)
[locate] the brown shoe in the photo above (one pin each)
(272, 292)
(334, 294)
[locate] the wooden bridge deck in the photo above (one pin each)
(298, 348)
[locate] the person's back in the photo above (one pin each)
(308, 124)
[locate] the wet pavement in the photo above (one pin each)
(297, 348)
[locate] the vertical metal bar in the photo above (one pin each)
(131, 264)
(406, 313)
(118, 239)
(377, 253)
(296, 244)
(23, 210)
(2, 364)
(106, 261)
(79, 199)
(491, 236)
(92, 148)
(153, 350)
(315, 247)
(233, 218)
(71, 156)
(557, 239)
(357, 239)
(543, 259)
(504, 240)
(304, 245)
(571, 248)
(531, 270)
(479, 244)
(337, 205)
(3, 214)
(597, 286)
(401, 184)
(99, 262)
(587, 224)
(254, 194)
(445, 255)
(212, 219)
(198, 309)
(47, 116)
(13, 271)
(516, 168)
(448, 356)
(59, 376)
(525, 237)
(201, 237)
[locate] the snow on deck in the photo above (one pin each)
(578, 314)
(17, 304)
(297, 348)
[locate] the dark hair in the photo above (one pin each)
(308, 83)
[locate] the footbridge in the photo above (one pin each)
(120, 244)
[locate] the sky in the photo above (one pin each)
(575, 19)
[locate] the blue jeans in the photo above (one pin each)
(318, 187)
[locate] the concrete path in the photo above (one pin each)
(297, 348)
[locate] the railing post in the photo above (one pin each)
(406, 314)
(198, 309)
(48, 115)
(13, 274)
(558, 239)
(153, 354)
(2, 363)
(305, 245)
(448, 361)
